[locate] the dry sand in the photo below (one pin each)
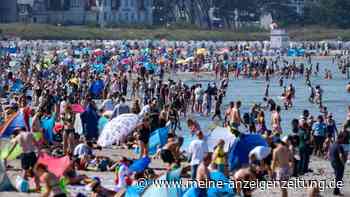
(322, 171)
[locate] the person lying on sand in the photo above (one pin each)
(98, 190)
(50, 181)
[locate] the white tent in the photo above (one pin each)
(216, 135)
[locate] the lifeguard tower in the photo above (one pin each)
(279, 39)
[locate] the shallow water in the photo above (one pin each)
(335, 97)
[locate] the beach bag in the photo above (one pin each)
(22, 185)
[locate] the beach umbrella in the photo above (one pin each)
(125, 61)
(201, 51)
(189, 59)
(261, 152)
(98, 67)
(17, 86)
(77, 108)
(98, 52)
(225, 50)
(118, 129)
(180, 61)
(207, 67)
(150, 66)
(67, 61)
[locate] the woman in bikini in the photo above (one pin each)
(50, 181)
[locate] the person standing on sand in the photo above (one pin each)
(282, 164)
(194, 126)
(120, 108)
(235, 115)
(144, 132)
(338, 160)
(197, 151)
(203, 174)
(227, 119)
(219, 156)
(199, 93)
(217, 111)
(68, 119)
(240, 177)
(267, 90)
(319, 132)
(28, 144)
(276, 120)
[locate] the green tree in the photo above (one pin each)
(335, 13)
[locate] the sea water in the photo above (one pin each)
(249, 91)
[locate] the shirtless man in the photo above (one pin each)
(28, 158)
(171, 152)
(203, 173)
(282, 164)
(240, 177)
(228, 113)
(276, 120)
(235, 115)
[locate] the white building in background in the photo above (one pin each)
(82, 12)
(279, 39)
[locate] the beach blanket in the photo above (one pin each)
(55, 165)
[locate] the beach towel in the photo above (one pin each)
(55, 165)
(78, 127)
(48, 124)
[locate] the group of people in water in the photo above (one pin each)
(47, 87)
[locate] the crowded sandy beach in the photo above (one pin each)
(173, 118)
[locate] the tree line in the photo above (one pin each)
(335, 13)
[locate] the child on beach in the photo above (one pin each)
(219, 156)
